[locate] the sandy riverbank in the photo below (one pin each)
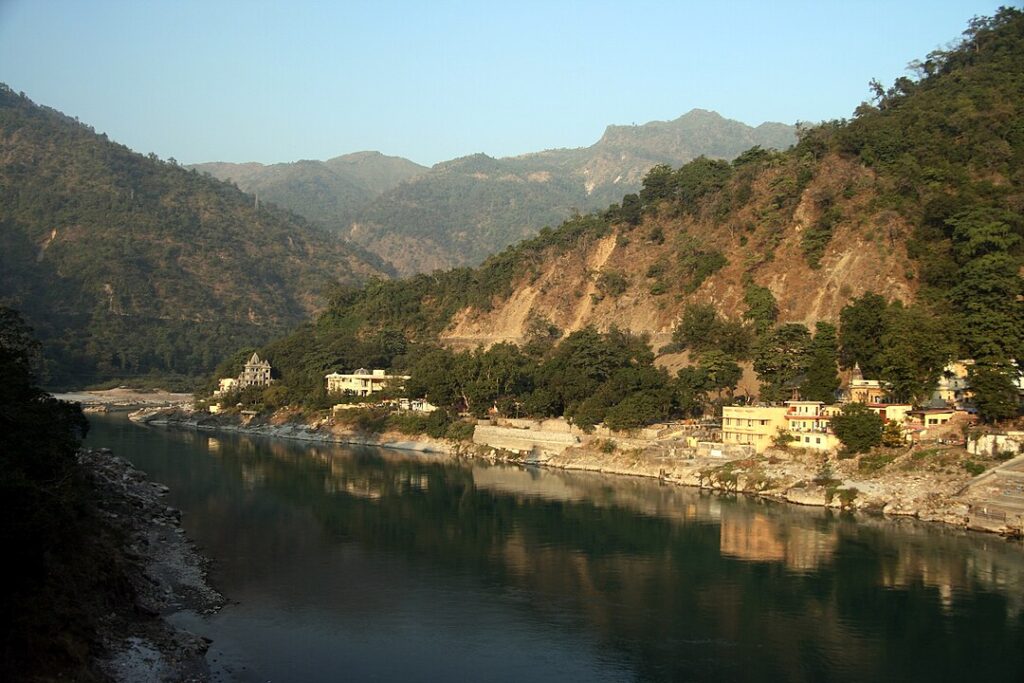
(929, 487)
(125, 398)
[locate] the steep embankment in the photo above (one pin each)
(862, 255)
(127, 265)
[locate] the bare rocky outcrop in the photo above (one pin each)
(866, 252)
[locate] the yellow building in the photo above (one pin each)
(756, 426)
(891, 412)
(362, 382)
(953, 387)
(810, 425)
(865, 390)
(931, 417)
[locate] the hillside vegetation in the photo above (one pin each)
(330, 194)
(128, 266)
(902, 226)
(466, 209)
(463, 210)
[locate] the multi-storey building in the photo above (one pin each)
(809, 423)
(362, 382)
(755, 426)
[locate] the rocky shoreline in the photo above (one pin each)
(903, 487)
(166, 574)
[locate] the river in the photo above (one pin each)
(367, 564)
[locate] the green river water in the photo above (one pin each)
(367, 564)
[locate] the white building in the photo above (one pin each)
(225, 386)
(363, 382)
(255, 373)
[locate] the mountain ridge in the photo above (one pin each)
(128, 265)
(467, 208)
(461, 210)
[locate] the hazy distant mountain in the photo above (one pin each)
(329, 193)
(127, 265)
(465, 209)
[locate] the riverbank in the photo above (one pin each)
(123, 398)
(165, 575)
(932, 485)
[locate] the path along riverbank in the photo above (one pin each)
(928, 484)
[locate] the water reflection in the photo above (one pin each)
(388, 559)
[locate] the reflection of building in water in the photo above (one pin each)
(751, 538)
(530, 483)
(253, 475)
(372, 484)
(808, 548)
(636, 494)
(942, 573)
(212, 445)
(759, 538)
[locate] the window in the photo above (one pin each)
(817, 439)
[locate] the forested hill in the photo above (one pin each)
(903, 226)
(466, 209)
(127, 265)
(328, 193)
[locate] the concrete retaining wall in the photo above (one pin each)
(524, 440)
(994, 444)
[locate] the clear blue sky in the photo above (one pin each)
(279, 81)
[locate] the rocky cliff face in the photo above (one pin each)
(863, 255)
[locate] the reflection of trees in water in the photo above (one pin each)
(655, 569)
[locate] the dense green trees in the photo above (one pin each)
(986, 244)
(915, 347)
(947, 148)
(858, 428)
(780, 358)
(905, 346)
(822, 379)
(589, 377)
(700, 329)
(861, 326)
(762, 309)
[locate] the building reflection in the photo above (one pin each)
(758, 537)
